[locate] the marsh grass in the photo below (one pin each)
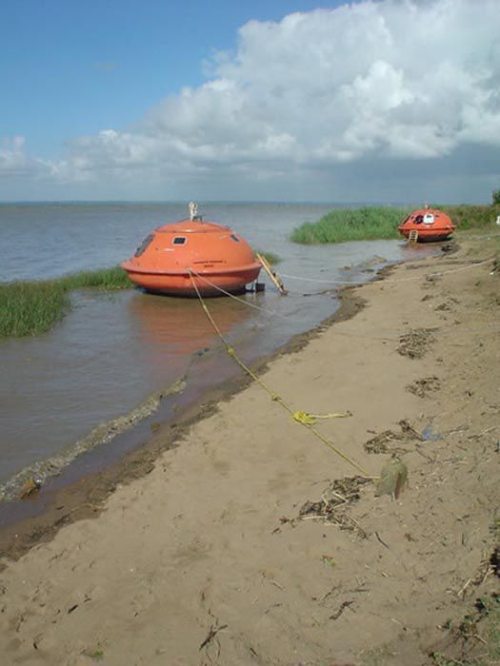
(472, 217)
(31, 308)
(377, 223)
(106, 279)
(345, 224)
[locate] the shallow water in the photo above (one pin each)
(113, 350)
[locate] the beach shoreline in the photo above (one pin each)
(72, 495)
(218, 543)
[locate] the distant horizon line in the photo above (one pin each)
(34, 202)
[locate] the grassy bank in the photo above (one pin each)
(31, 308)
(472, 217)
(373, 223)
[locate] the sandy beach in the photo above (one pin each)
(249, 541)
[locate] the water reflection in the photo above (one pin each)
(169, 325)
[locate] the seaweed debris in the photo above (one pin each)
(383, 442)
(415, 344)
(421, 387)
(335, 502)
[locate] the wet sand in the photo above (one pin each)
(223, 541)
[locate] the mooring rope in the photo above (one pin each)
(301, 417)
(354, 282)
(390, 334)
(388, 281)
(236, 298)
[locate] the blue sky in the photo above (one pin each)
(69, 67)
(386, 100)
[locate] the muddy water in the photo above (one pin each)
(114, 350)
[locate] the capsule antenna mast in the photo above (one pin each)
(193, 210)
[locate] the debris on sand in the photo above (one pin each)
(473, 637)
(421, 387)
(383, 442)
(449, 305)
(443, 307)
(450, 248)
(495, 561)
(409, 431)
(415, 344)
(335, 502)
(29, 487)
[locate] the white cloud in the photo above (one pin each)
(13, 157)
(388, 79)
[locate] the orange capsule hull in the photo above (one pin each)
(182, 284)
(176, 257)
(428, 224)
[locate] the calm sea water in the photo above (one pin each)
(113, 350)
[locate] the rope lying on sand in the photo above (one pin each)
(303, 418)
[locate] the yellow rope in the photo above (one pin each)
(310, 419)
(235, 298)
(303, 418)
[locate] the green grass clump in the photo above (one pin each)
(472, 217)
(28, 308)
(346, 224)
(31, 308)
(106, 278)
